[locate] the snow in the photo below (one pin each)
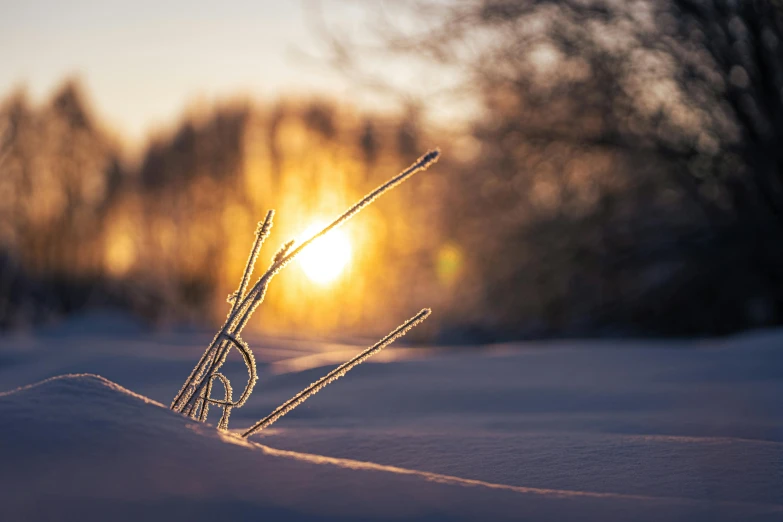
(577, 430)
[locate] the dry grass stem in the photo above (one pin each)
(194, 398)
(335, 374)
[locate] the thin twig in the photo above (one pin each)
(264, 228)
(421, 164)
(243, 306)
(335, 374)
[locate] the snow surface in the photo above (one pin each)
(534, 431)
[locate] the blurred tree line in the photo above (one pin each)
(59, 176)
(166, 235)
(629, 176)
(623, 174)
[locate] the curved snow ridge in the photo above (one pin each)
(85, 381)
(150, 438)
(459, 481)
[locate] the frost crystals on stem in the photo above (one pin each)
(338, 372)
(195, 396)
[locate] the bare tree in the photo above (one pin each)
(630, 168)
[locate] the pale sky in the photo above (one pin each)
(143, 61)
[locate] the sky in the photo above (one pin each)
(143, 62)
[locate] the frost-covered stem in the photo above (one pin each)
(421, 164)
(230, 330)
(281, 261)
(335, 374)
(243, 306)
(186, 392)
(256, 295)
(264, 228)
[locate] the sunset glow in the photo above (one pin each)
(326, 259)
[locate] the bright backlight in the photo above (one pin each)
(326, 258)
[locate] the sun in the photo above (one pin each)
(327, 257)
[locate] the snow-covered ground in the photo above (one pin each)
(533, 431)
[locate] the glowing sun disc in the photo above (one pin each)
(327, 257)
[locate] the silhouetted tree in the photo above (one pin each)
(629, 169)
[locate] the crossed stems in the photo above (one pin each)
(194, 397)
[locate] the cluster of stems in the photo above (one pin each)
(195, 396)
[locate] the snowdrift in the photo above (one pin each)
(79, 447)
